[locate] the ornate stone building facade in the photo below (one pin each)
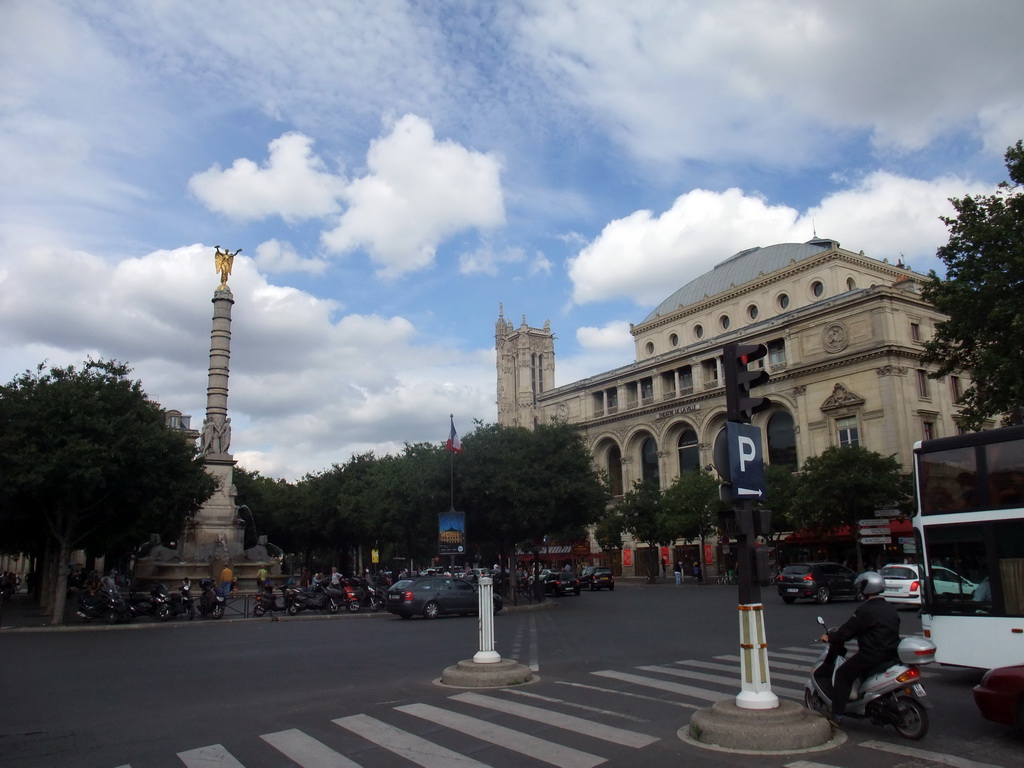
(845, 334)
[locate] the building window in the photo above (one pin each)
(612, 398)
(725, 322)
(928, 431)
(649, 461)
(647, 390)
(817, 288)
(710, 371)
(915, 332)
(615, 470)
(783, 301)
(686, 380)
(752, 312)
(777, 352)
(922, 384)
(650, 347)
(673, 339)
(848, 433)
(698, 331)
(782, 441)
(689, 453)
(955, 388)
(851, 284)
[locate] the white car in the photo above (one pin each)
(903, 583)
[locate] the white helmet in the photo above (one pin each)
(870, 583)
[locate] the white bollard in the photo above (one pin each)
(486, 654)
(756, 682)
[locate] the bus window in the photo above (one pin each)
(1008, 597)
(947, 480)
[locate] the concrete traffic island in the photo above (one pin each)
(782, 729)
(474, 674)
(486, 669)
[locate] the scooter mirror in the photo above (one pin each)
(821, 621)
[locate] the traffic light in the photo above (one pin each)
(740, 406)
(764, 563)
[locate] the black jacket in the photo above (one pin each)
(876, 626)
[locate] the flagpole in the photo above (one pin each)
(451, 466)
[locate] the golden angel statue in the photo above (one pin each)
(223, 261)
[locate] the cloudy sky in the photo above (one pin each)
(394, 172)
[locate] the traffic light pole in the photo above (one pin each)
(745, 523)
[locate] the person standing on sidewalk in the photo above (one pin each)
(227, 576)
(678, 571)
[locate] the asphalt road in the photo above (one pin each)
(218, 691)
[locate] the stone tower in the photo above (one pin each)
(526, 367)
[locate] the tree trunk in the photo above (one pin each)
(60, 591)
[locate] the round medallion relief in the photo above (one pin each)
(835, 337)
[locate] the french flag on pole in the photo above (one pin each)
(454, 444)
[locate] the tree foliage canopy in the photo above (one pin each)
(983, 294)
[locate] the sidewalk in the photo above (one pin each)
(20, 611)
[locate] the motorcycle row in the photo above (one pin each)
(105, 602)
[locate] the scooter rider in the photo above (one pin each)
(876, 626)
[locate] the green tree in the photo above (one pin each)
(690, 506)
(982, 293)
(87, 463)
(843, 485)
(640, 510)
(518, 485)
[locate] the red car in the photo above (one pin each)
(1000, 695)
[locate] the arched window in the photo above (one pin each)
(649, 461)
(689, 453)
(782, 440)
(615, 470)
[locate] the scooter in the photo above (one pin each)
(104, 604)
(211, 603)
(268, 602)
(315, 599)
(890, 694)
(350, 593)
(169, 606)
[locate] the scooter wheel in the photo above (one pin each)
(353, 606)
(111, 616)
(912, 722)
(814, 702)
(258, 611)
(293, 609)
(218, 611)
(163, 612)
(332, 607)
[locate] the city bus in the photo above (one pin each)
(970, 520)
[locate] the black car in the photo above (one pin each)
(597, 577)
(560, 583)
(433, 596)
(816, 581)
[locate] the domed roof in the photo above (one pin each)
(738, 269)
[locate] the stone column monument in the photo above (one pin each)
(218, 534)
(216, 537)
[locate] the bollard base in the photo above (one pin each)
(786, 728)
(499, 674)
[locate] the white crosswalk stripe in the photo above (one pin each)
(306, 751)
(568, 722)
(531, 746)
(413, 748)
(213, 756)
(735, 670)
(665, 685)
(792, 693)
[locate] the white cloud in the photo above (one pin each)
(488, 260)
(644, 257)
(292, 184)
(274, 256)
(418, 191)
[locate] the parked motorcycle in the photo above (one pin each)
(891, 694)
(211, 602)
(146, 605)
(349, 592)
(104, 604)
(171, 605)
(315, 599)
(268, 602)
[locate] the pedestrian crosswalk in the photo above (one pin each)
(570, 724)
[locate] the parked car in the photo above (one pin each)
(559, 583)
(433, 596)
(904, 585)
(820, 582)
(597, 577)
(1000, 696)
